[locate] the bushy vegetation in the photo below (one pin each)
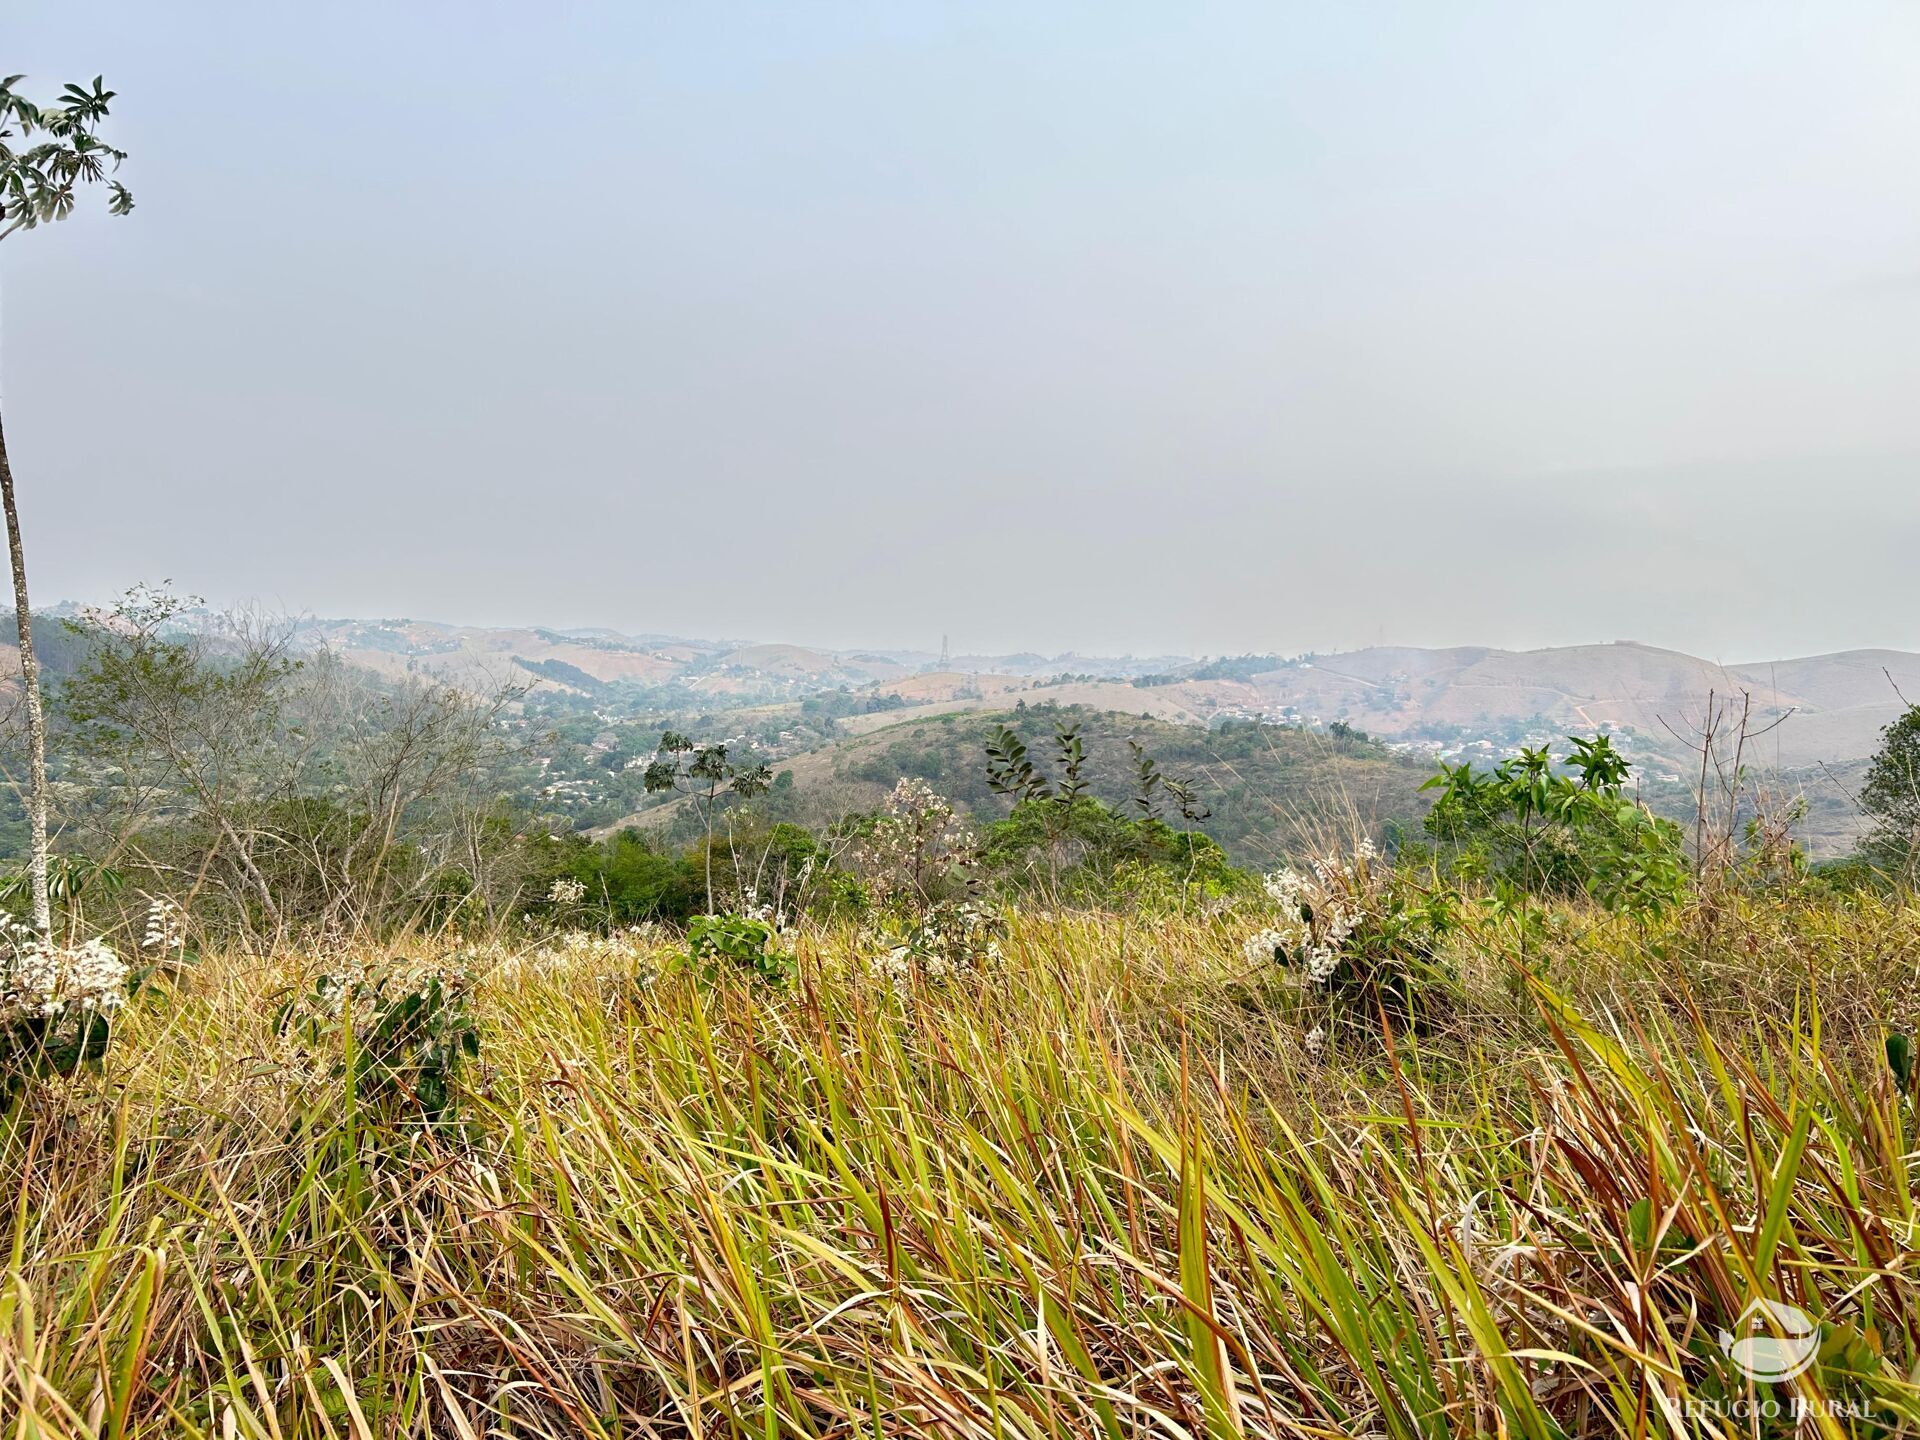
(1105, 1187)
(1534, 827)
(1891, 796)
(1267, 790)
(1036, 1117)
(1003, 1103)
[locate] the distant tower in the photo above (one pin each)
(945, 656)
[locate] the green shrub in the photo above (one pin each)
(1532, 828)
(1358, 938)
(403, 1037)
(747, 945)
(947, 941)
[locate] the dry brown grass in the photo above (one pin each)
(1104, 1192)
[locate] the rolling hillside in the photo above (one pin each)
(1271, 789)
(1831, 707)
(1834, 706)
(828, 715)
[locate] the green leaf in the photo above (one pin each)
(1900, 1058)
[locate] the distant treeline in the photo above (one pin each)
(1227, 667)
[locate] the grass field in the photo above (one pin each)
(1105, 1191)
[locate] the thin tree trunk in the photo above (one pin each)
(709, 820)
(243, 860)
(36, 718)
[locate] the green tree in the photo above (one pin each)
(701, 773)
(1891, 795)
(1060, 830)
(1567, 830)
(46, 155)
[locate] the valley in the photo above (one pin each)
(592, 702)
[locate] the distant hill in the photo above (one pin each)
(1825, 712)
(1835, 705)
(819, 711)
(1832, 707)
(1272, 791)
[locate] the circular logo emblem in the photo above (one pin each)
(1768, 1357)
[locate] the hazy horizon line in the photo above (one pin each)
(308, 616)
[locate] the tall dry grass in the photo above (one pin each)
(1105, 1192)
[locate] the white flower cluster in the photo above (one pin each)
(894, 966)
(166, 927)
(41, 981)
(1263, 945)
(567, 891)
(331, 990)
(768, 914)
(950, 942)
(575, 950)
(915, 844)
(94, 977)
(1319, 910)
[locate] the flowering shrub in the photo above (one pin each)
(56, 1003)
(917, 852)
(1356, 937)
(1319, 910)
(743, 944)
(411, 1033)
(632, 948)
(921, 864)
(567, 891)
(166, 933)
(949, 941)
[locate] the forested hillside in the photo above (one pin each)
(1267, 789)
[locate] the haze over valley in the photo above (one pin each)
(1185, 721)
(594, 702)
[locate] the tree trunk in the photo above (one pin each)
(36, 718)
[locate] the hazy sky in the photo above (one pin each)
(1117, 327)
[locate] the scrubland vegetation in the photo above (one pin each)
(1102, 1184)
(340, 1096)
(1052, 1125)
